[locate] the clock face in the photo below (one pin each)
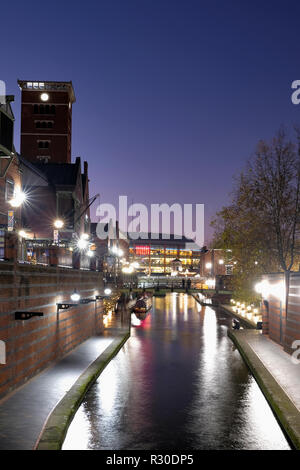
(44, 97)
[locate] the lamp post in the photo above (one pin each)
(58, 224)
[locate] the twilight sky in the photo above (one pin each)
(172, 95)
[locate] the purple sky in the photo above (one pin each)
(172, 96)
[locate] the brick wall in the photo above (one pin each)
(282, 328)
(13, 174)
(293, 319)
(33, 344)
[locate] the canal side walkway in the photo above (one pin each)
(277, 376)
(24, 412)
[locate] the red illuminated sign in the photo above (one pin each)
(142, 250)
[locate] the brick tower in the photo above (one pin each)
(46, 121)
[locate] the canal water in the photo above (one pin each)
(178, 383)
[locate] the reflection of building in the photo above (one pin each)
(162, 256)
(46, 121)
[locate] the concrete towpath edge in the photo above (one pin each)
(56, 425)
(284, 409)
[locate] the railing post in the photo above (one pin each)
(53, 255)
(76, 259)
(93, 264)
(11, 246)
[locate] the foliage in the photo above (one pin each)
(260, 225)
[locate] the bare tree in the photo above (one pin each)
(264, 214)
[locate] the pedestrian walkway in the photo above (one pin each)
(279, 364)
(277, 375)
(24, 412)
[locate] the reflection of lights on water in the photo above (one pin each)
(185, 311)
(174, 306)
(210, 339)
(257, 407)
(108, 388)
(135, 321)
(78, 436)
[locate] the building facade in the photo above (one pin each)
(10, 175)
(164, 256)
(281, 326)
(46, 120)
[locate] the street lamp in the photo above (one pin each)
(58, 223)
(18, 198)
(22, 233)
(82, 243)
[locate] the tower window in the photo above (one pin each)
(43, 144)
(44, 124)
(44, 109)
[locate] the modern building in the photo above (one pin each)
(164, 255)
(46, 120)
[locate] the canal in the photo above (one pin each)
(178, 383)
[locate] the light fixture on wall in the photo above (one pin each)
(44, 97)
(75, 297)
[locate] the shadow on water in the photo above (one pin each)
(178, 383)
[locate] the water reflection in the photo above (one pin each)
(176, 384)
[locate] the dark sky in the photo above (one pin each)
(172, 96)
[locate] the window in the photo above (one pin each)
(9, 190)
(44, 158)
(44, 124)
(43, 144)
(44, 109)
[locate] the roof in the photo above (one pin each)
(49, 85)
(59, 174)
(144, 237)
(32, 167)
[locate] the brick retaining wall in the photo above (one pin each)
(33, 344)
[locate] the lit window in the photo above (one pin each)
(35, 85)
(29, 84)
